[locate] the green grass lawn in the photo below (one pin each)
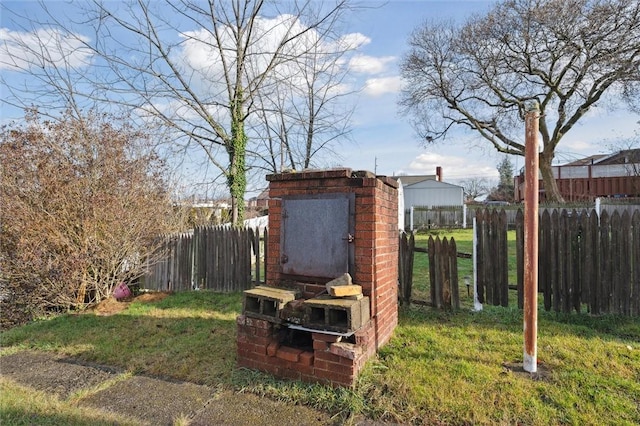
(464, 244)
(439, 368)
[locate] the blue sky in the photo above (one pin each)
(384, 134)
(383, 140)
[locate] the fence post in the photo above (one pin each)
(464, 216)
(477, 306)
(453, 268)
(411, 218)
(531, 238)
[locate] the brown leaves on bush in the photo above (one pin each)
(83, 201)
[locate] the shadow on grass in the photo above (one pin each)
(185, 337)
(495, 317)
(19, 417)
(201, 301)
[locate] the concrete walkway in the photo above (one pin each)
(149, 400)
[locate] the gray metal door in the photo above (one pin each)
(317, 235)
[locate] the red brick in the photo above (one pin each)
(262, 332)
(272, 348)
(345, 350)
(260, 341)
(263, 324)
(323, 337)
(319, 345)
(240, 320)
(250, 347)
(306, 358)
(288, 354)
(335, 378)
(327, 356)
(353, 363)
(305, 369)
(243, 338)
(245, 346)
(248, 354)
(322, 365)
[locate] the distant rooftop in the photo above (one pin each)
(592, 159)
(621, 157)
(410, 180)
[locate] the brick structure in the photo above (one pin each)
(325, 355)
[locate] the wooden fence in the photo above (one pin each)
(443, 274)
(425, 217)
(586, 262)
(443, 271)
(215, 258)
(492, 257)
(406, 249)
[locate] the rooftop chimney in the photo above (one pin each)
(439, 174)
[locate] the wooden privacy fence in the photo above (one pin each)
(443, 270)
(425, 217)
(435, 216)
(443, 273)
(406, 248)
(586, 260)
(492, 261)
(214, 257)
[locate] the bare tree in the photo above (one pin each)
(474, 188)
(566, 54)
(82, 202)
(300, 124)
(195, 67)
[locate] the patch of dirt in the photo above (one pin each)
(112, 306)
(151, 297)
(543, 373)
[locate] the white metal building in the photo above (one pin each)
(431, 193)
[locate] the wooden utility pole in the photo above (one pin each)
(531, 196)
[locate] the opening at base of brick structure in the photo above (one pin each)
(312, 356)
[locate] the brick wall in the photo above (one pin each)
(329, 361)
(376, 270)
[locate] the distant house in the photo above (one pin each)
(206, 212)
(614, 175)
(429, 191)
(260, 201)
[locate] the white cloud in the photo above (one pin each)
(579, 145)
(454, 168)
(200, 55)
(366, 64)
(353, 41)
(382, 85)
(44, 47)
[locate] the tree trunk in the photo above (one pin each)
(552, 192)
(237, 176)
(237, 184)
